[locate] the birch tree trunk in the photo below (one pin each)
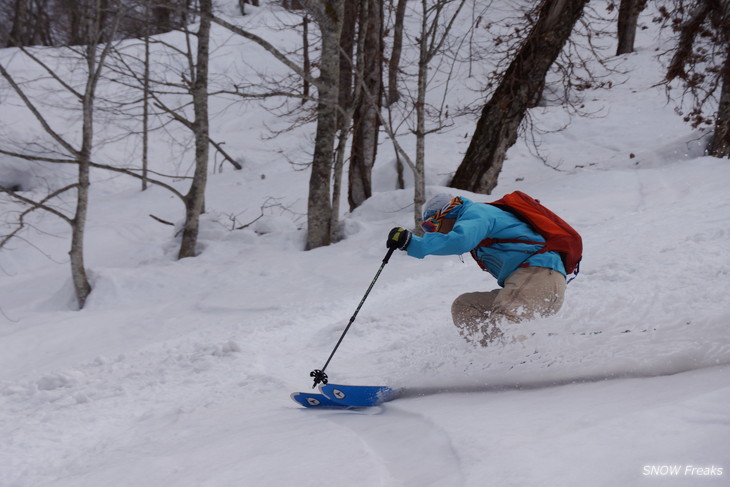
(497, 128)
(94, 31)
(419, 175)
(146, 99)
(345, 96)
(78, 226)
(328, 14)
(433, 33)
(195, 198)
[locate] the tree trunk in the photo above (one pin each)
(94, 57)
(497, 128)
(31, 24)
(366, 121)
(419, 174)
(162, 16)
(18, 33)
(82, 287)
(394, 62)
(90, 26)
(393, 67)
(348, 92)
(347, 44)
(721, 139)
(195, 198)
(319, 206)
(628, 18)
(146, 100)
(337, 179)
(306, 65)
(76, 23)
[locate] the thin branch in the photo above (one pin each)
(36, 113)
(230, 159)
(35, 205)
(52, 73)
(129, 172)
(688, 32)
(268, 47)
(157, 218)
(38, 158)
(172, 113)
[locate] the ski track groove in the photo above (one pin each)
(413, 450)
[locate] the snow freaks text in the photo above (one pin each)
(682, 471)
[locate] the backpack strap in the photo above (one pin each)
(575, 272)
(488, 242)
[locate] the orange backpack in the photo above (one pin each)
(559, 236)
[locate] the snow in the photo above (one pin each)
(179, 372)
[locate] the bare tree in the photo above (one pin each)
(178, 94)
(366, 120)
(349, 96)
(393, 94)
(521, 86)
(437, 20)
(395, 52)
(328, 15)
(195, 198)
(93, 56)
(721, 138)
(701, 60)
(434, 32)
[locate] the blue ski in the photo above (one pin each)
(312, 400)
(358, 396)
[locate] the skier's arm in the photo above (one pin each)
(465, 236)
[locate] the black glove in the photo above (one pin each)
(399, 238)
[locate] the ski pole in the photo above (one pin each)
(318, 374)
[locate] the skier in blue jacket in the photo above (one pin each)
(532, 284)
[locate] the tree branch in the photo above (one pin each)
(230, 159)
(35, 205)
(36, 113)
(268, 47)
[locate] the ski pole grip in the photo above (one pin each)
(387, 256)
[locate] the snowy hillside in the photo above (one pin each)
(179, 372)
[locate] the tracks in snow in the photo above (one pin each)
(411, 451)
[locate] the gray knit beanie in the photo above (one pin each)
(435, 204)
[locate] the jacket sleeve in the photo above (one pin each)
(469, 230)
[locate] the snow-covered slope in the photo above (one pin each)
(179, 372)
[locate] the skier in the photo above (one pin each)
(532, 282)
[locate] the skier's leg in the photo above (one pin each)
(471, 312)
(530, 292)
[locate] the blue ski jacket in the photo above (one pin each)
(474, 223)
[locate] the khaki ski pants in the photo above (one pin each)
(528, 293)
